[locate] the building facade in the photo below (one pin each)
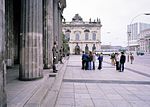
(82, 36)
(28, 29)
(144, 41)
(133, 31)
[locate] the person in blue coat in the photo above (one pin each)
(100, 60)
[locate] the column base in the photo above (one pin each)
(9, 63)
(47, 66)
(30, 79)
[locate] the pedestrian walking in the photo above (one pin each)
(83, 60)
(131, 58)
(100, 60)
(117, 61)
(122, 61)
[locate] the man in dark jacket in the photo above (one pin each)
(122, 61)
(83, 60)
(100, 59)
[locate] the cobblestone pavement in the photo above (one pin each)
(104, 88)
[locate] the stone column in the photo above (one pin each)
(55, 11)
(48, 33)
(9, 33)
(31, 49)
(56, 24)
(3, 101)
(60, 28)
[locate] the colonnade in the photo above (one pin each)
(27, 34)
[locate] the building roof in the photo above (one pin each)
(77, 21)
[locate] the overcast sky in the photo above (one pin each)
(115, 15)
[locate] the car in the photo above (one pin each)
(140, 53)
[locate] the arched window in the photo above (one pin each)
(86, 36)
(94, 36)
(77, 37)
(67, 35)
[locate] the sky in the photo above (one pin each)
(115, 15)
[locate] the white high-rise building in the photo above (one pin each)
(133, 31)
(144, 41)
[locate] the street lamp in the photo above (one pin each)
(138, 16)
(129, 29)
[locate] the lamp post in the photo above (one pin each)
(129, 30)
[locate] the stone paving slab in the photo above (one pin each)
(28, 93)
(18, 93)
(105, 95)
(85, 88)
(105, 88)
(136, 66)
(50, 99)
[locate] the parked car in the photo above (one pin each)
(140, 53)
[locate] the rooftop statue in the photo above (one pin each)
(77, 18)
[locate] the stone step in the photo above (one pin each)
(37, 99)
(43, 92)
(52, 94)
(26, 92)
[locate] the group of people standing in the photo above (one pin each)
(89, 59)
(119, 61)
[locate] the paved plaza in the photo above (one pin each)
(102, 88)
(74, 87)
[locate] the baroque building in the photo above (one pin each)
(82, 36)
(28, 29)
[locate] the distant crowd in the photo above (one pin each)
(89, 59)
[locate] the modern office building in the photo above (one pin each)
(133, 31)
(82, 36)
(144, 41)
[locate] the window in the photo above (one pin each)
(77, 36)
(94, 36)
(86, 36)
